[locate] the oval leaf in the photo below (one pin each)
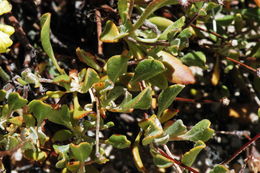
(116, 66)
(167, 96)
(201, 131)
(176, 129)
(110, 33)
(40, 110)
(176, 72)
(91, 77)
(142, 101)
(82, 151)
(87, 58)
(15, 101)
(119, 141)
(190, 156)
(147, 69)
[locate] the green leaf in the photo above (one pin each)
(10, 142)
(111, 33)
(78, 111)
(161, 22)
(161, 161)
(62, 135)
(40, 110)
(118, 141)
(167, 115)
(116, 66)
(176, 129)
(63, 80)
(62, 150)
(45, 39)
(201, 131)
(2, 95)
(142, 101)
(153, 129)
(55, 94)
(112, 95)
(147, 69)
(91, 77)
(167, 96)
(5, 7)
(160, 81)
(219, 169)
(15, 101)
(18, 120)
(123, 10)
(35, 155)
(81, 151)
(87, 58)
(173, 28)
(61, 116)
(29, 120)
(195, 58)
(152, 7)
(190, 156)
(226, 20)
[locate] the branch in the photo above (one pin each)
(241, 149)
(176, 161)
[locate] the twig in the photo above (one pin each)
(242, 64)
(96, 100)
(241, 149)
(191, 21)
(211, 32)
(195, 101)
(178, 169)
(238, 133)
(176, 161)
(99, 31)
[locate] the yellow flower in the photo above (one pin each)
(5, 42)
(5, 7)
(7, 29)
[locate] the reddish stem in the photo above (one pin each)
(241, 149)
(242, 64)
(176, 161)
(194, 101)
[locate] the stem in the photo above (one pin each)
(242, 64)
(96, 100)
(178, 169)
(99, 31)
(211, 32)
(241, 149)
(176, 161)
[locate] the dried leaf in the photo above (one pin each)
(176, 72)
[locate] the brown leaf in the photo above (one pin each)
(176, 72)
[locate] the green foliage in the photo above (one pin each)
(118, 141)
(152, 70)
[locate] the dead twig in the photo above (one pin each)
(99, 31)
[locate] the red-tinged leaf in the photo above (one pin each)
(176, 72)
